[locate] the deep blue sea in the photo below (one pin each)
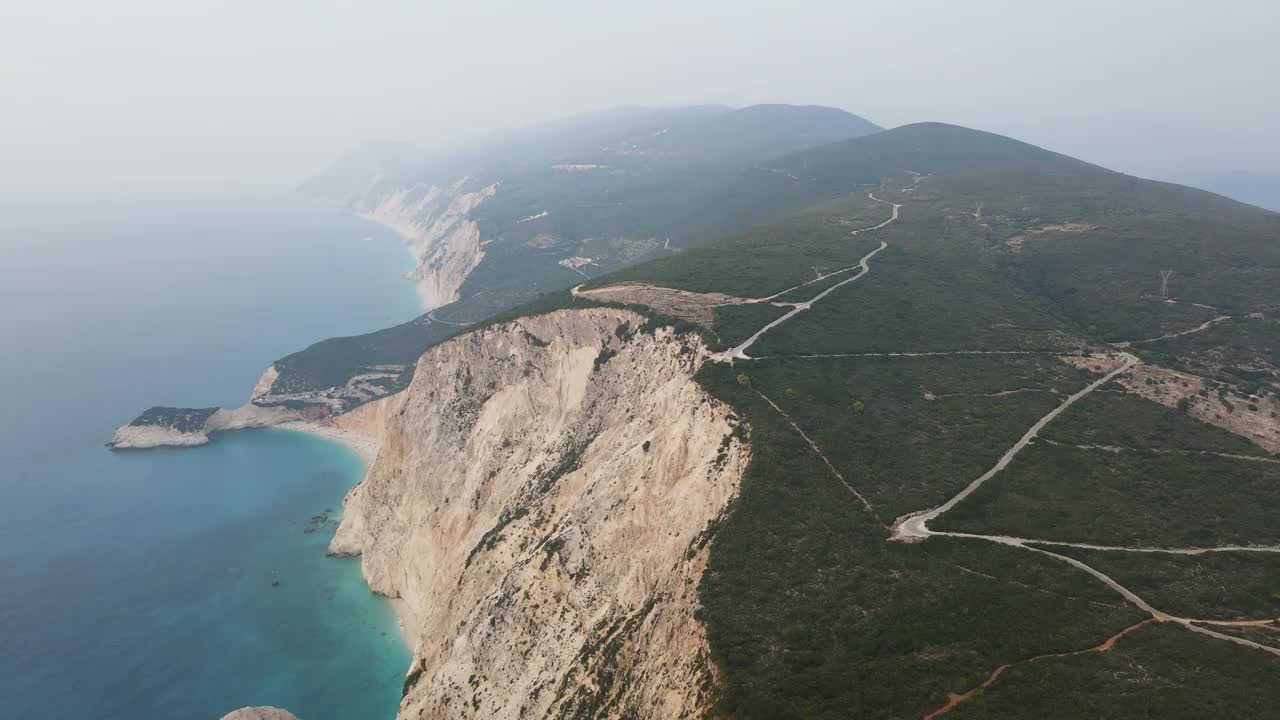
(139, 584)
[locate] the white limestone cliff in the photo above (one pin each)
(435, 221)
(542, 505)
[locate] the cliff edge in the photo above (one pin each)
(542, 504)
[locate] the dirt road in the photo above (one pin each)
(739, 352)
(916, 526)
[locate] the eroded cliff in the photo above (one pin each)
(436, 223)
(542, 503)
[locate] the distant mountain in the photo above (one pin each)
(633, 138)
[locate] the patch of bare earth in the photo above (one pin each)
(1253, 417)
(628, 249)
(691, 306)
(1016, 242)
(1097, 363)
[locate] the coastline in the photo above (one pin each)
(359, 430)
(408, 625)
(317, 634)
(363, 445)
(367, 448)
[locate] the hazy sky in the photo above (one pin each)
(230, 93)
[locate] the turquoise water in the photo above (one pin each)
(140, 584)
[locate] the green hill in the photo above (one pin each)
(1004, 259)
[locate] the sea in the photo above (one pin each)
(181, 584)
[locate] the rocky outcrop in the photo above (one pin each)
(188, 427)
(435, 220)
(171, 427)
(260, 713)
(1251, 416)
(542, 504)
(141, 437)
(165, 426)
(324, 412)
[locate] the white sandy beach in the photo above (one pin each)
(365, 446)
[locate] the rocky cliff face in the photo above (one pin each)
(542, 503)
(445, 241)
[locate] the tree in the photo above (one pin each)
(744, 380)
(858, 407)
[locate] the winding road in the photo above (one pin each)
(916, 525)
(1020, 541)
(1199, 328)
(862, 263)
(739, 352)
(932, 353)
(432, 317)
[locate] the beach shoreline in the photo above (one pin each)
(367, 448)
(363, 445)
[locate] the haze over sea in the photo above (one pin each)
(139, 584)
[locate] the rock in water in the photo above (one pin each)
(260, 713)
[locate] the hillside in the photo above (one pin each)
(994, 304)
(952, 425)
